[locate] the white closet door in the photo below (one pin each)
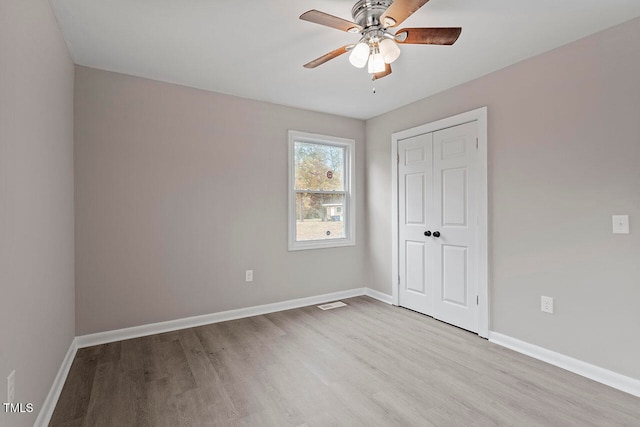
(438, 246)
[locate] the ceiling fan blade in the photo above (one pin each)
(330, 21)
(326, 57)
(381, 74)
(399, 11)
(441, 36)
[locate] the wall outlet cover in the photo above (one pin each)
(620, 224)
(546, 304)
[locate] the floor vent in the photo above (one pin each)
(331, 305)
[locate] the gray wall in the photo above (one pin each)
(564, 155)
(179, 191)
(36, 202)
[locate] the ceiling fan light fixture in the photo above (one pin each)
(376, 63)
(389, 50)
(378, 45)
(359, 55)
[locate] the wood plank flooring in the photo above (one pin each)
(367, 364)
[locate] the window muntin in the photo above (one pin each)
(321, 210)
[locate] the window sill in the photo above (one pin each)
(319, 244)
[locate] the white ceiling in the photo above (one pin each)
(255, 49)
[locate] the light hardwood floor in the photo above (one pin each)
(366, 364)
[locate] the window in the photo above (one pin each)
(321, 191)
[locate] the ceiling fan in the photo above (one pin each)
(378, 46)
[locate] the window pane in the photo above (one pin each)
(319, 167)
(319, 216)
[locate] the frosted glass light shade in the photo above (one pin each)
(389, 50)
(376, 63)
(359, 55)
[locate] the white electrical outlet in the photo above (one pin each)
(248, 276)
(11, 387)
(620, 224)
(546, 304)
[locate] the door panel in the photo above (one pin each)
(454, 197)
(414, 155)
(415, 254)
(454, 298)
(414, 198)
(453, 147)
(454, 275)
(415, 271)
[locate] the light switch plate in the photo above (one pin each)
(620, 224)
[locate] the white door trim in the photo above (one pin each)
(479, 115)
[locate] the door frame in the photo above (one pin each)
(480, 116)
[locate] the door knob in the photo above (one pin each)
(436, 234)
(427, 233)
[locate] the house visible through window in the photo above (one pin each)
(321, 210)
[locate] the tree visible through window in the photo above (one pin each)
(320, 177)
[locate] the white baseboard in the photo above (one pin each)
(44, 416)
(378, 295)
(206, 319)
(596, 373)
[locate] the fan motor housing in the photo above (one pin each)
(366, 13)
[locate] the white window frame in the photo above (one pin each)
(349, 190)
